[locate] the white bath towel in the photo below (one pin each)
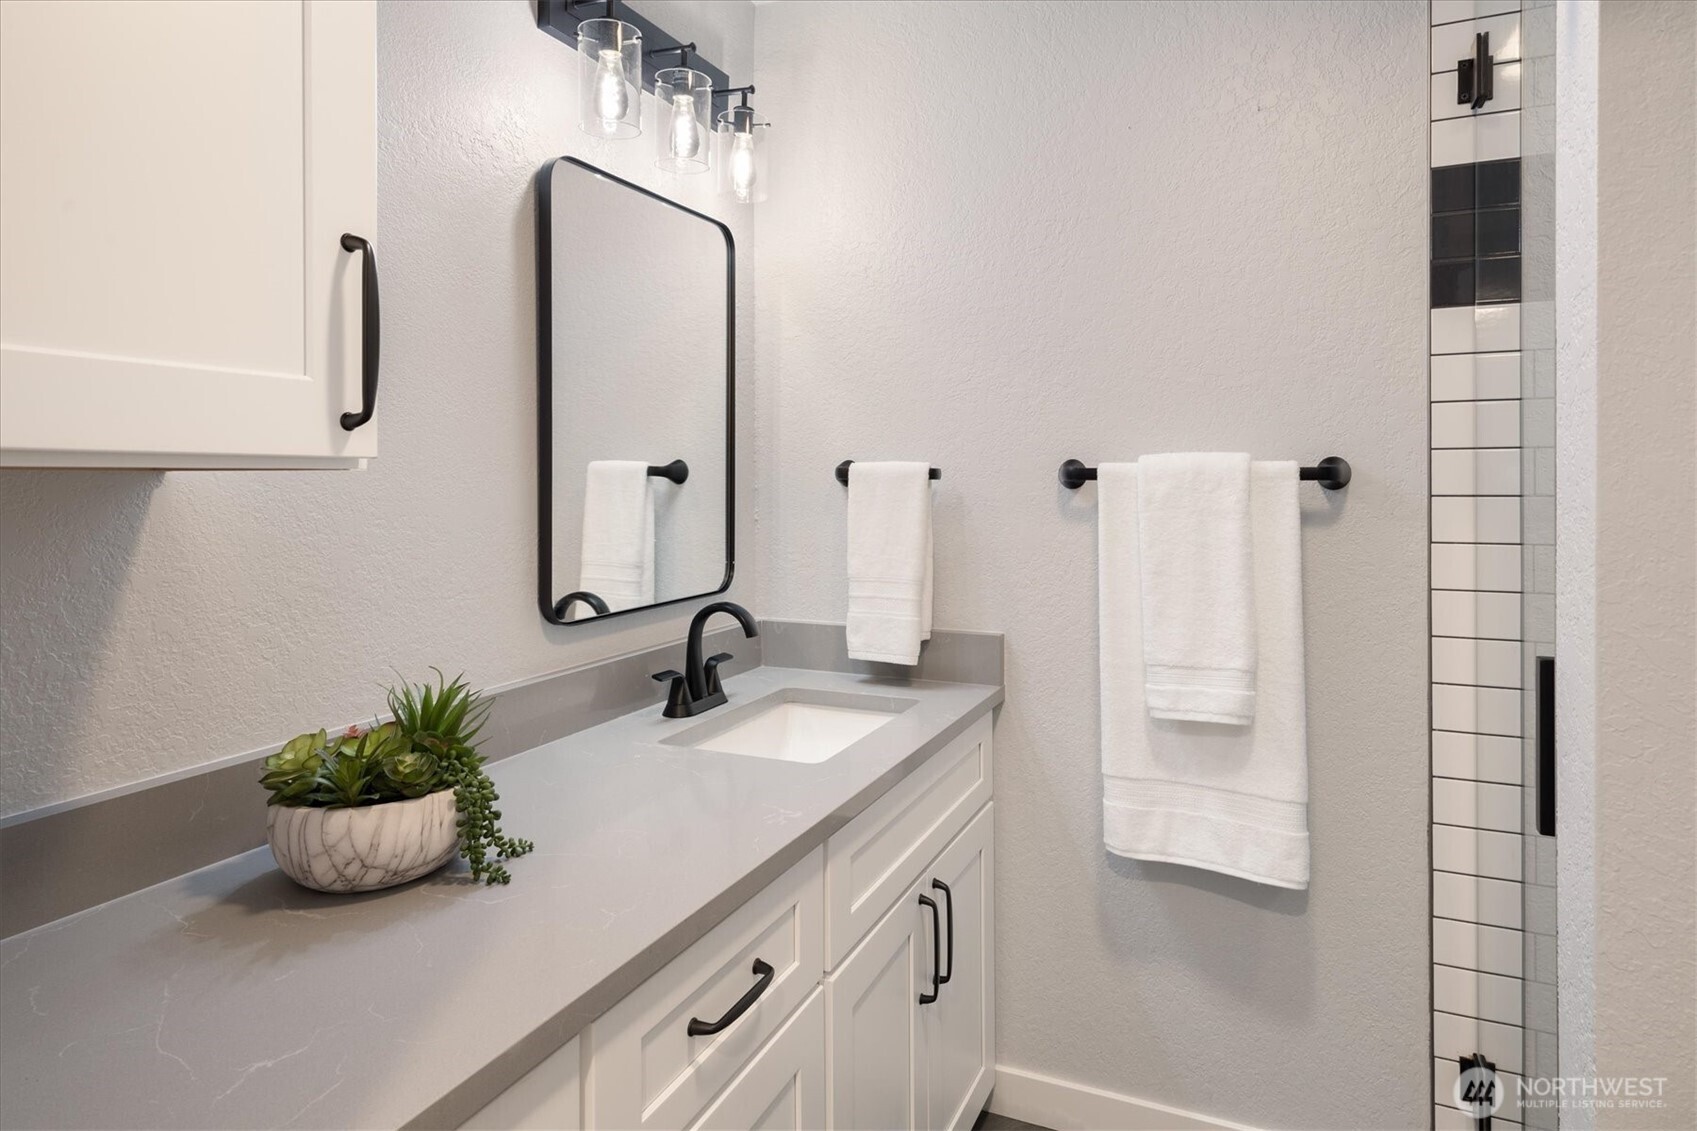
(1198, 597)
(617, 562)
(1231, 799)
(889, 561)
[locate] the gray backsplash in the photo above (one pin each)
(68, 857)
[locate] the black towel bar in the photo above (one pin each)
(842, 472)
(1332, 473)
(677, 471)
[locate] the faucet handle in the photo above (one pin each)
(711, 671)
(677, 702)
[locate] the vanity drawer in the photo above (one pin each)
(783, 1087)
(645, 1070)
(877, 856)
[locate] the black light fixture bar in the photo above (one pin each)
(559, 18)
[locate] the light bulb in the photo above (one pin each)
(742, 165)
(611, 99)
(686, 131)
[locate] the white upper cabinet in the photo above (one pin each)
(176, 179)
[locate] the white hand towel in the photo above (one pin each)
(617, 562)
(1198, 600)
(889, 561)
(1230, 799)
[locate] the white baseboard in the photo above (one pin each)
(1066, 1106)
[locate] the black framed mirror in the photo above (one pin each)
(636, 397)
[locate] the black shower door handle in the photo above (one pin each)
(700, 1028)
(936, 952)
(948, 902)
(370, 319)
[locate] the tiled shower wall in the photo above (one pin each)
(1492, 551)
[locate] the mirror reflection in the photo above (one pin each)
(637, 373)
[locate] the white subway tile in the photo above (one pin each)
(1449, 1119)
(1477, 947)
(1505, 93)
(1481, 710)
(1474, 899)
(1461, 565)
(1478, 852)
(1476, 471)
(1476, 424)
(1477, 805)
(1465, 141)
(1508, 1083)
(1453, 42)
(1476, 329)
(1449, 11)
(1480, 757)
(1472, 994)
(1485, 616)
(1465, 519)
(1483, 663)
(1456, 1036)
(1476, 377)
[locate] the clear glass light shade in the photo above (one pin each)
(683, 106)
(741, 143)
(610, 98)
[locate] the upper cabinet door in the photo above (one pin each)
(175, 182)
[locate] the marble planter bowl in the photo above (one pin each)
(364, 849)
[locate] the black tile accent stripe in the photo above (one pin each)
(1476, 233)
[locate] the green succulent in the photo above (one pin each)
(430, 746)
(444, 721)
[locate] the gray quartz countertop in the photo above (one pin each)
(231, 998)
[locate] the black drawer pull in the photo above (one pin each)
(936, 954)
(370, 319)
(949, 902)
(700, 1028)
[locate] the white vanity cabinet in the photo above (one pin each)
(855, 991)
(176, 180)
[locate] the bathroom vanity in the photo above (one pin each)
(817, 907)
(856, 990)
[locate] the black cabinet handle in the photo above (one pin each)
(700, 1028)
(936, 955)
(949, 901)
(369, 333)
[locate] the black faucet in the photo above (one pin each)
(697, 688)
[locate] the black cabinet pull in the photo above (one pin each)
(700, 1028)
(369, 333)
(949, 902)
(936, 954)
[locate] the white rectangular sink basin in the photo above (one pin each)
(794, 725)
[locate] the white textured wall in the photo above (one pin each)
(1646, 554)
(155, 622)
(1576, 537)
(1002, 235)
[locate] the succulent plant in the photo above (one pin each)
(430, 746)
(444, 721)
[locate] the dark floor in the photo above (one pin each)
(990, 1121)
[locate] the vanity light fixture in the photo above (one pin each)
(683, 107)
(741, 138)
(610, 55)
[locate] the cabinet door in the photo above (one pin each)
(175, 180)
(960, 1027)
(875, 1048)
(783, 1087)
